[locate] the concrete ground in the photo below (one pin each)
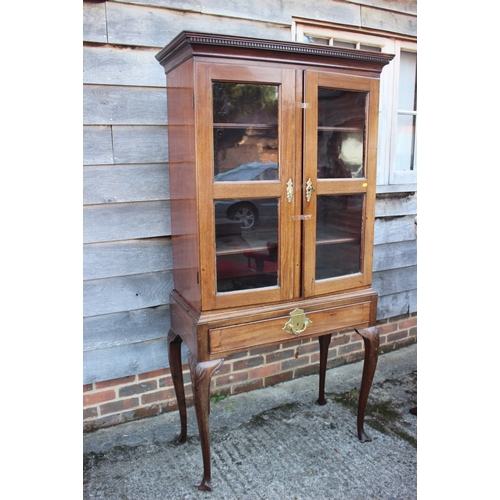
(273, 443)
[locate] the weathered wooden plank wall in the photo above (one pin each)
(127, 253)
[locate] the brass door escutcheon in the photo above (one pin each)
(309, 189)
(297, 323)
(289, 190)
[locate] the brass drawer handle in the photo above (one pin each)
(297, 323)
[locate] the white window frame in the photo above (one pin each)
(388, 179)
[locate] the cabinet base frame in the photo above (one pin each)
(201, 373)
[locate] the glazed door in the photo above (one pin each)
(247, 176)
(339, 181)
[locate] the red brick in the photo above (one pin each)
(280, 355)
(278, 378)
(351, 347)
(355, 356)
(408, 323)
(295, 363)
(225, 368)
(237, 355)
(170, 406)
(231, 378)
(116, 381)
(154, 397)
(309, 369)
(401, 317)
(389, 328)
(249, 386)
(119, 406)
(153, 374)
(165, 382)
(293, 344)
(397, 336)
(98, 397)
(244, 364)
(130, 390)
(88, 387)
(264, 371)
(147, 411)
(308, 348)
(89, 413)
(340, 340)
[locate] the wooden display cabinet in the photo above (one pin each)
(272, 151)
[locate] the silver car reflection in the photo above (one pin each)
(248, 212)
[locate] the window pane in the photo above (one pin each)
(338, 235)
(370, 48)
(341, 124)
(316, 39)
(246, 244)
(405, 149)
(407, 81)
(343, 45)
(245, 131)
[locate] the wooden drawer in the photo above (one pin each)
(270, 331)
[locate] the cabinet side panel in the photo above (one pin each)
(181, 139)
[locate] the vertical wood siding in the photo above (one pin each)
(126, 213)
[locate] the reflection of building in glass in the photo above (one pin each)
(245, 118)
(235, 146)
(341, 123)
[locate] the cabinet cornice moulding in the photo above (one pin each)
(198, 44)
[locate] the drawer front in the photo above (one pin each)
(270, 331)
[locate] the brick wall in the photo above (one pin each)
(130, 398)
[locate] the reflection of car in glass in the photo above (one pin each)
(255, 171)
(248, 212)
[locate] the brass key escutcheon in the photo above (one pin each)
(297, 323)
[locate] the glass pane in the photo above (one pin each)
(344, 45)
(338, 235)
(340, 154)
(405, 145)
(407, 100)
(245, 130)
(370, 48)
(316, 39)
(341, 128)
(246, 244)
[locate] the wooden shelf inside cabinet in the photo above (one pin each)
(339, 129)
(245, 125)
(268, 246)
(336, 236)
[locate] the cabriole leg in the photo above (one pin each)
(174, 354)
(324, 343)
(201, 373)
(371, 340)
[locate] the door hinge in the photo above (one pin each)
(192, 99)
(198, 277)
